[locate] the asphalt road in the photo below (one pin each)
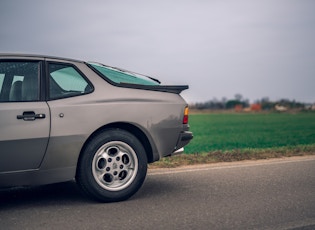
(271, 194)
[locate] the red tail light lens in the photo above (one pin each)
(185, 119)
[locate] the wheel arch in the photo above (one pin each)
(136, 131)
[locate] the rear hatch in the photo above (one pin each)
(128, 79)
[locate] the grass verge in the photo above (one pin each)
(233, 155)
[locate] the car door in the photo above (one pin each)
(24, 118)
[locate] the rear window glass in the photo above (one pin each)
(122, 76)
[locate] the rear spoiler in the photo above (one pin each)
(162, 88)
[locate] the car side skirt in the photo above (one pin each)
(36, 177)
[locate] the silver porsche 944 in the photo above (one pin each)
(64, 119)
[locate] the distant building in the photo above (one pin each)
(281, 108)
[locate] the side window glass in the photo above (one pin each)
(66, 81)
(19, 81)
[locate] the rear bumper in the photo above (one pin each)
(184, 138)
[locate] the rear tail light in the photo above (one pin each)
(185, 119)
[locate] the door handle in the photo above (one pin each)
(30, 116)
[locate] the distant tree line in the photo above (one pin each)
(240, 102)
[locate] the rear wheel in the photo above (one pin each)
(113, 166)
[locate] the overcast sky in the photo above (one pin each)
(256, 48)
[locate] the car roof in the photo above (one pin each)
(21, 55)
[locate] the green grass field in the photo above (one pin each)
(237, 131)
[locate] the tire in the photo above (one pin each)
(112, 167)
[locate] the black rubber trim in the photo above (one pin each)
(162, 88)
(187, 136)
